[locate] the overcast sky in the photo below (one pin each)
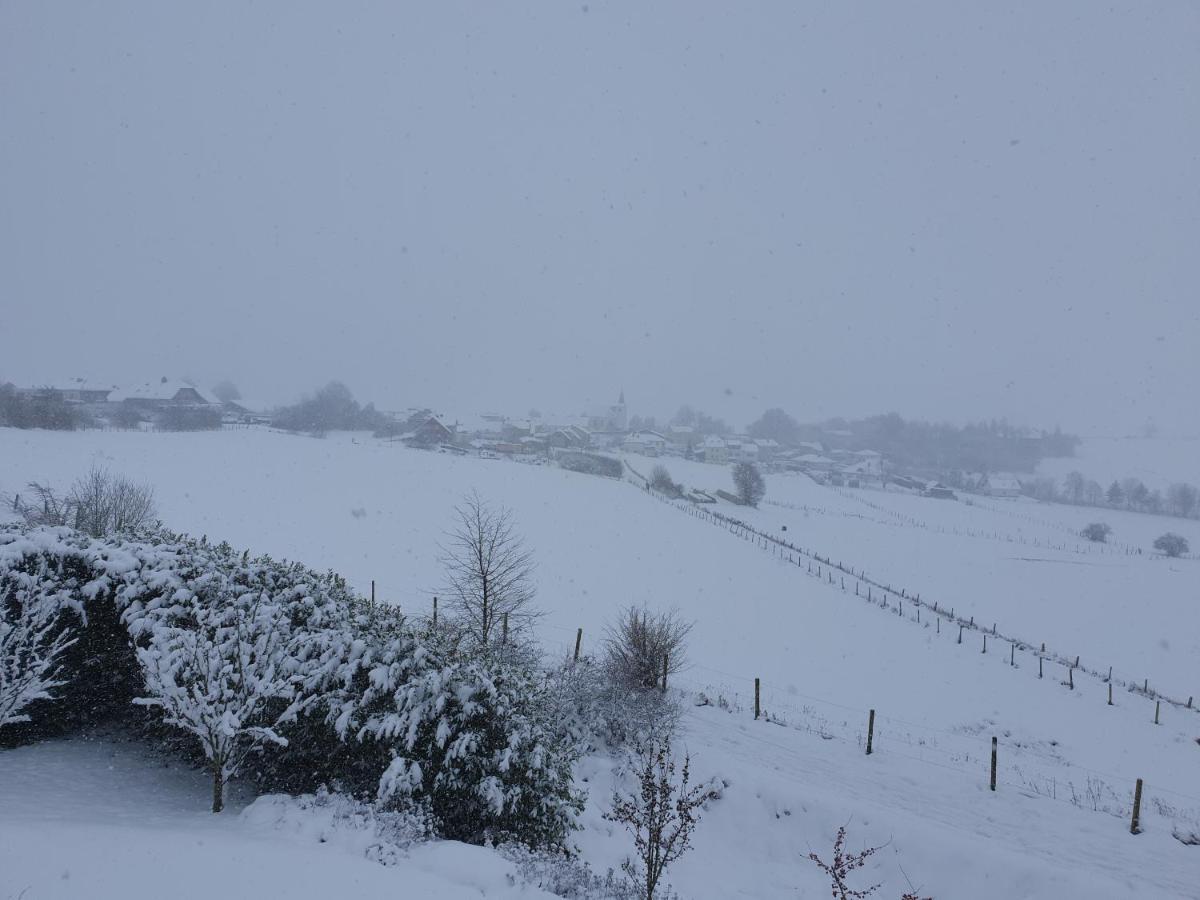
(950, 210)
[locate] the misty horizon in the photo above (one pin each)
(953, 217)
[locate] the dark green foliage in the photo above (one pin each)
(933, 449)
(591, 464)
(188, 418)
(99, 670)
(1173, 545)
(332, 408)
(748, 481)
(44, 409)
(776, 425)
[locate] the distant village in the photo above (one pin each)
(535, 437)
(171, 404)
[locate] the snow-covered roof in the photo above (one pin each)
(79, 384)
(641, 437)
(1004, 482)
(164, 389)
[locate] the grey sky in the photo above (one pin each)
(950, 210)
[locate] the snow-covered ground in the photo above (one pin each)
(1057, 827)
(1018, 564)
(1157, 461)
(106, 820)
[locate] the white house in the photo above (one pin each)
(73, 390)
(713, 449)
(162, 393)
(743, 451)
(1001, 485)
(647, 443)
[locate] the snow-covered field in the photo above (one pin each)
(1018, 564)
(1055, 828)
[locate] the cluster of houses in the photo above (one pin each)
(608, 430)
(110, 401)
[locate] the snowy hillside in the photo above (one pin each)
(1057, 825)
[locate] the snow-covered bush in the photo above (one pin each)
(273, 666)
(566, 876)
(98, 503)
(474, 740)
(1171, 544)
(1097, 532)
(591, 464)
(607, 714)
(661, 481)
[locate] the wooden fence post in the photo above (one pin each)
(1157, 704)
(870, 731)
(960, 628)
(1137, 808)
(1071, 677)
(757, 706)
(1012, 656)
(1040, 658)
(435, 612)
(1110, 703)
(578, 641)
(993, 762)
(666, 659)
(985, 642)
(504, 632)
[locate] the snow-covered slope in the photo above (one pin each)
(1068, 760)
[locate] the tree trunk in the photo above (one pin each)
(218, 787)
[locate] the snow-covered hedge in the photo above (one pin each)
(280, 670)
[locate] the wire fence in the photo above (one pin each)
(900, 601)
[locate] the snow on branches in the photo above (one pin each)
(32, 640)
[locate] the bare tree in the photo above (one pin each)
(844, 863)
(1182, 499)
(489, 573)
(31, 643)
(661, 815)
(640, 642)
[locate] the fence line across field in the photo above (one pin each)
(825, 567)
(1020, 767)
